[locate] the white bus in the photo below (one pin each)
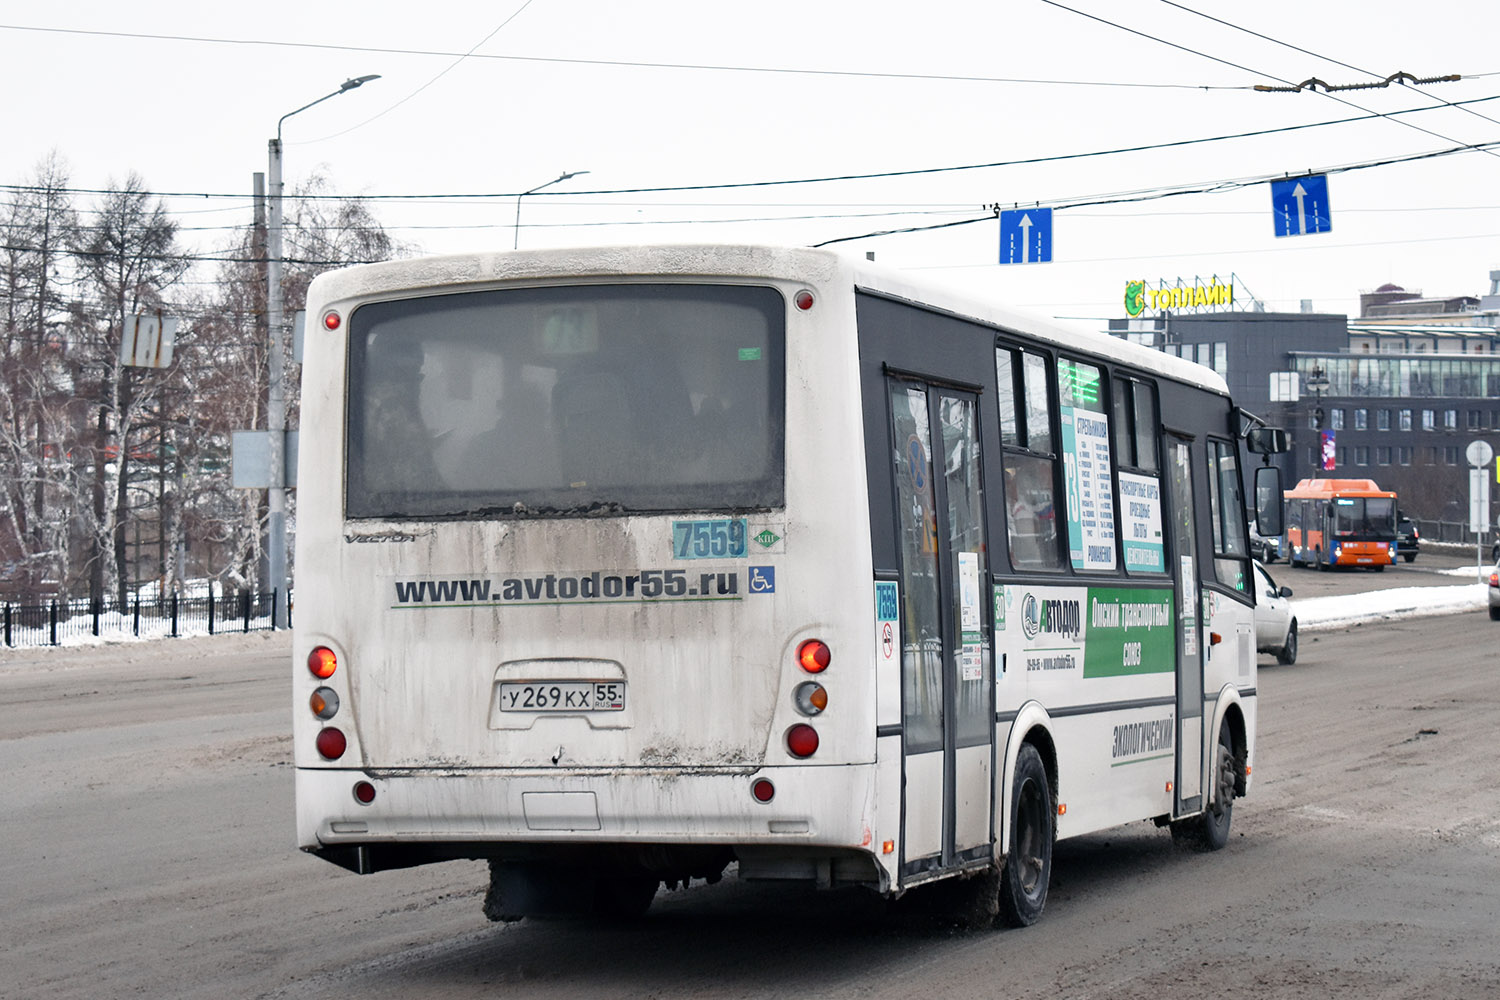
(618, 567)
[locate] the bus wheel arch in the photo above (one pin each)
(1209, 830)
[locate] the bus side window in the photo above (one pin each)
(1137, 475)
(1030, 464)
(1227, 511)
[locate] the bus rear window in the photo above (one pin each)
(568, 400)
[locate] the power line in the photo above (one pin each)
(615, 63)
(1295, 48)
(1226, 62)
(1153, 194)
(738, 185)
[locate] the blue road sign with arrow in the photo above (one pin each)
(1026, 236)
(1300, 205)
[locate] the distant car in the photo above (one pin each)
(1495, 592)
(1408, 538)
(1266, 549)
(1275, 625)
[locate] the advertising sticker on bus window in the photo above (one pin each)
(1140, 516)
(1090, 496)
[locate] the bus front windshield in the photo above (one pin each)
(566, 401)
(1368, 518)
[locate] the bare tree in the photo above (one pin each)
(36, 503)
(127, 258)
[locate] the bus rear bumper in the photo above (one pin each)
(418, 817)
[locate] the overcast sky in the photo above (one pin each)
(662, 93)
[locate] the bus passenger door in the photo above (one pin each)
(947, 686)
(1189, 782)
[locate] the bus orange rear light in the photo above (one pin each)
(331, 743)
(802, 740)
(324, 703)
(322, 662)
(763, 790)
(814, 655)
(811, 698)
(889, 847)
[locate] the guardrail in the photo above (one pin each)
(55, 622)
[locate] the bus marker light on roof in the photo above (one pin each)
(331, 320)
(763, 790)
(324, 703)
(364, 792)
(802, 740)
(811, 697)
(804, 300)
(814, 655)
(322, 662)
(331, 743)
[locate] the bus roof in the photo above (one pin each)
(440, 274)
(1338, 487)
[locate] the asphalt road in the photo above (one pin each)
(146, 818)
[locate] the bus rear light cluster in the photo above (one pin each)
(332, 743)
(364, 792)
(802, 741)
(763, 790)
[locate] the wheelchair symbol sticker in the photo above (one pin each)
(762, 579)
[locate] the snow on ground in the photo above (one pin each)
(1400, 602)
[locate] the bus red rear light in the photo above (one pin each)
(331, 320)
(763, 790)
(322, 662)
(331, 743)
(364, 792)
(813, 655)
(802, 740)
(804, 300)
(324, 703)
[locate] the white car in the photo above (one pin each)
(1275, 625)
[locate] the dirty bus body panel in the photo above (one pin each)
(619, 565)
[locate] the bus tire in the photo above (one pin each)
(1287, 654)
(1027, 869)
(1318, 563)
(1209, 830)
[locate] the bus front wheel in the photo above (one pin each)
(1209, 830)
(1028, 864)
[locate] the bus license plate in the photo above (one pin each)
(563, 696)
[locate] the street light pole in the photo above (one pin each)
(559, 180)
(276, 396)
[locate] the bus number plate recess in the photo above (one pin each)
(563, 696)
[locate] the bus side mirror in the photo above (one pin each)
(1267, 441)
(1268, 500)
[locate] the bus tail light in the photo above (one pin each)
(814, 655)
(322, 662)
(324, 703)
(763, 790)
(802, 740)
(811, 697)
(804, 300)
(332, 743)
(364, 792)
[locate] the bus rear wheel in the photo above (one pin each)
(1027, 870)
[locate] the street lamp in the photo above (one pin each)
(559, 180)
(276, 398)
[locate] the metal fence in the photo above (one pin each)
(57, 622)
